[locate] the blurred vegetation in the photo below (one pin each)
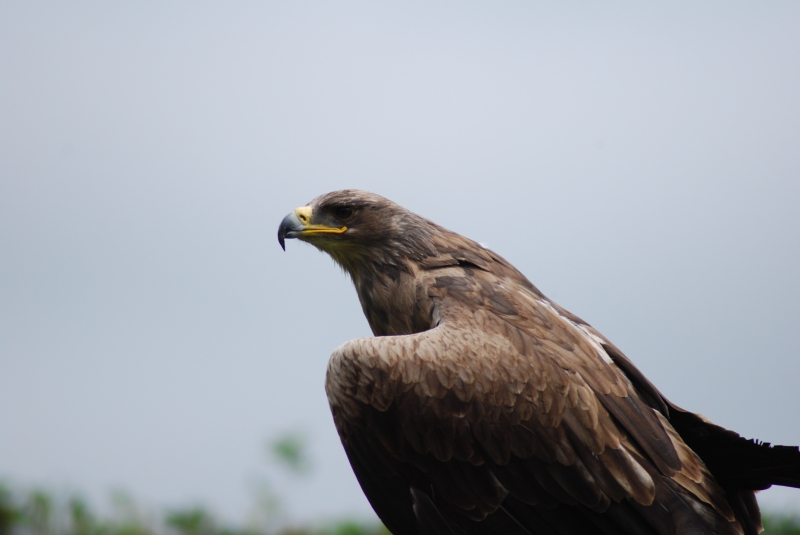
(291, 450)
(781, 524)
(38, 512)
(41, 512)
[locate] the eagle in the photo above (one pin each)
(482, 407)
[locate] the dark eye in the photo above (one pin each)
(343, 213)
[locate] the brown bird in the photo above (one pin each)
(482, 407)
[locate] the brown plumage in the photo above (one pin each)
(482, 407)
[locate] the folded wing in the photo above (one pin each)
(512, 418)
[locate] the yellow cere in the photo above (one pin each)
(304, 215)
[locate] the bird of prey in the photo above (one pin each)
(483, 407)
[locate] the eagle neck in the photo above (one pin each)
(390, 300)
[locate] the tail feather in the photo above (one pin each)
(734, 460)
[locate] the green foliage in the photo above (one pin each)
(40, 513)
(353, 528)
(781, 524)
(82, 521)
(194, 521)
(9, 515)
(291, 450)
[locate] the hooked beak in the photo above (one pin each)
(290, 228)
(298, 224)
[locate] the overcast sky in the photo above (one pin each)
(639, 162)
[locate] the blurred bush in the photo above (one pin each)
(38, 512)
(781, 524)
(291, 451)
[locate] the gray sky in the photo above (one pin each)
(640, 163)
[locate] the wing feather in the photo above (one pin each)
(488, 408)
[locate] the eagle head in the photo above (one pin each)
(359, 229)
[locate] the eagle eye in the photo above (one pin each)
(343, 213)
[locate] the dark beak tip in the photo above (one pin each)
(288, 228)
